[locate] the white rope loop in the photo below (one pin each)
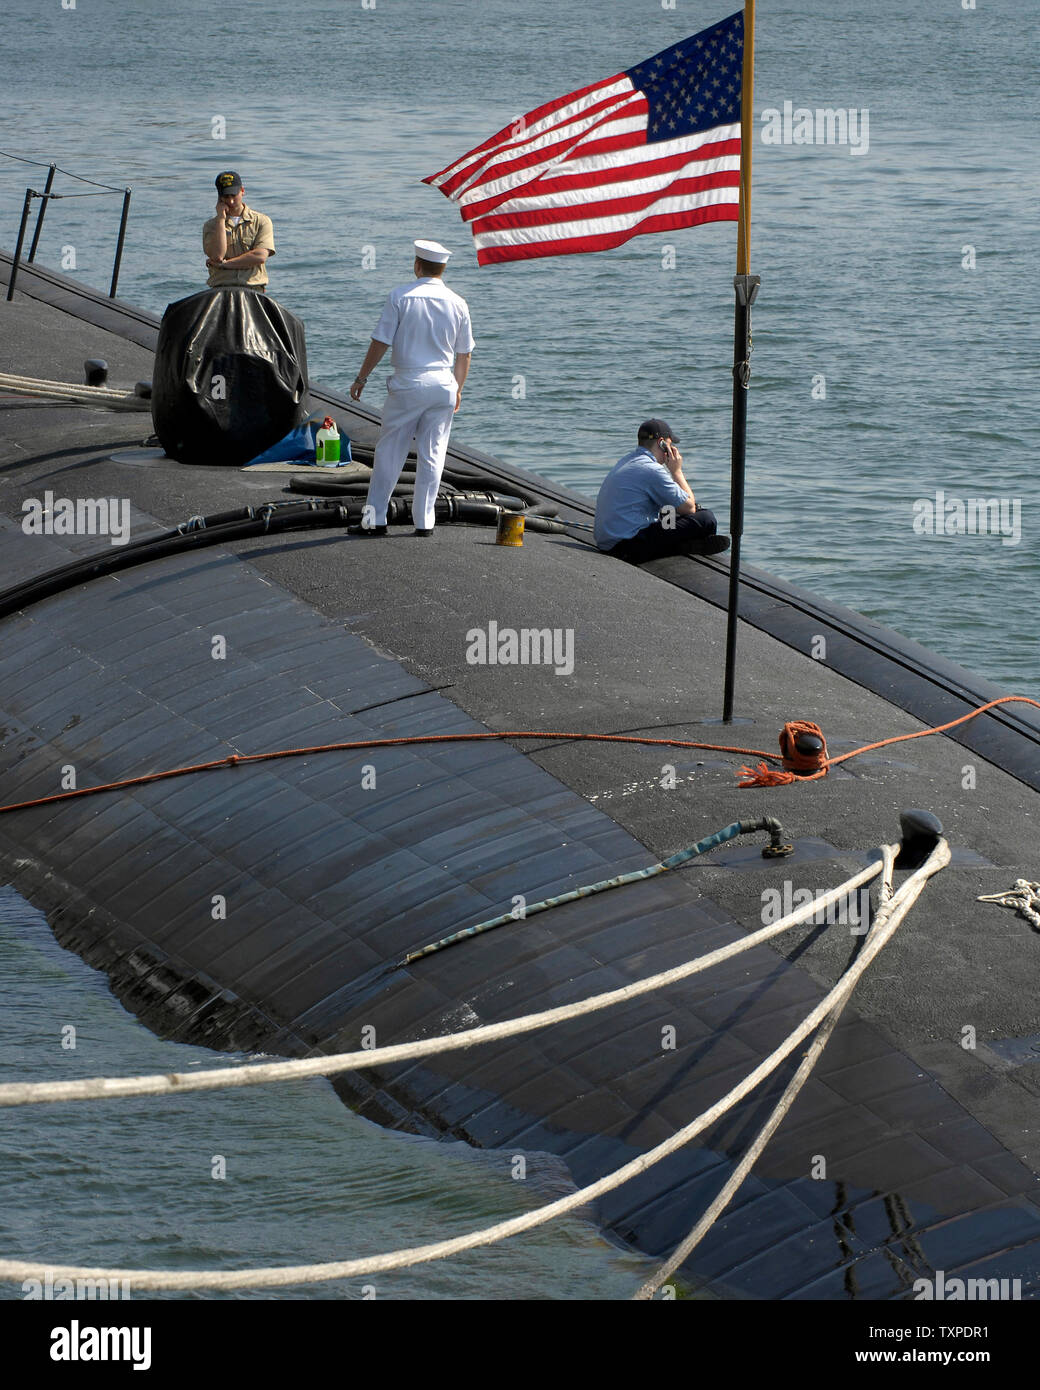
(287, 1275)
(735, 1180)
(1024, 897)
(889, 918)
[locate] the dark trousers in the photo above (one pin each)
(656, 540)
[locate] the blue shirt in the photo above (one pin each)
(631, 497)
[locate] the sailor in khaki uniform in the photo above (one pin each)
(428, 328)
(238, 241)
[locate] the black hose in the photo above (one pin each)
(464, 479)
(243, 522)
(465, 476)
(191, 535)
(331, 487)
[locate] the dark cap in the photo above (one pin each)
(656, 429)
(228, 182)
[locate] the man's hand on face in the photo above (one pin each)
(223, 211)
(672, 456)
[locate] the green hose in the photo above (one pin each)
(720, 837)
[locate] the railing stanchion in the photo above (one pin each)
(43, 208)
(30, 194)
(119, 243)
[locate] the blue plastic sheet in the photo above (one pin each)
(299, 445)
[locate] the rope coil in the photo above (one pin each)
(763, 776)
(1024, 897)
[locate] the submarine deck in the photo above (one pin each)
(333, 637)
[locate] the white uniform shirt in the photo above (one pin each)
(426, 324)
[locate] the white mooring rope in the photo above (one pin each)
(72, 392)
(111, 1087)
(1024, 896)
(889, 919)
(735, 1180)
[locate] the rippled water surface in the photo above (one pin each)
(335, 112)
(131, 1183)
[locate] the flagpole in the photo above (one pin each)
(745, 286)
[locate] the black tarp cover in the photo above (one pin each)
(230, 376)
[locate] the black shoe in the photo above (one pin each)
(420, 532)
(714, 545)
(373, 530)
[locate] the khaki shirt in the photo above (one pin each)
(253, 231)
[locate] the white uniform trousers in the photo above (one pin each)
(417, 407)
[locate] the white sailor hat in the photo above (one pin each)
(432, 251)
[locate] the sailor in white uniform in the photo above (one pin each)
(428, 328)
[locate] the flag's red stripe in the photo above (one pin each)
(608, 207)
(608, 144)
(571, 246)
(605, 175)
(603, 145)
(506, 136)
(516, 153)
(644, 168)
(622, 108)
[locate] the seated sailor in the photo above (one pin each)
(646, 508)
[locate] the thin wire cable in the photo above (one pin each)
(46, 164)
(102, 194)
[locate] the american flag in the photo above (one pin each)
(651, 149)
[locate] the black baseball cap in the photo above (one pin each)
(656, 429)
(228, 182)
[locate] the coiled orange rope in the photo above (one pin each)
(763, 776)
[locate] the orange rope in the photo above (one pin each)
(794, 759)
(764, 776)
(234, 758)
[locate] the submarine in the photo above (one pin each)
(431, 789)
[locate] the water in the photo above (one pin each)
(333, 115)
(335, 112)
(126, 1183)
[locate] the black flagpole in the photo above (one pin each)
(745, 286)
